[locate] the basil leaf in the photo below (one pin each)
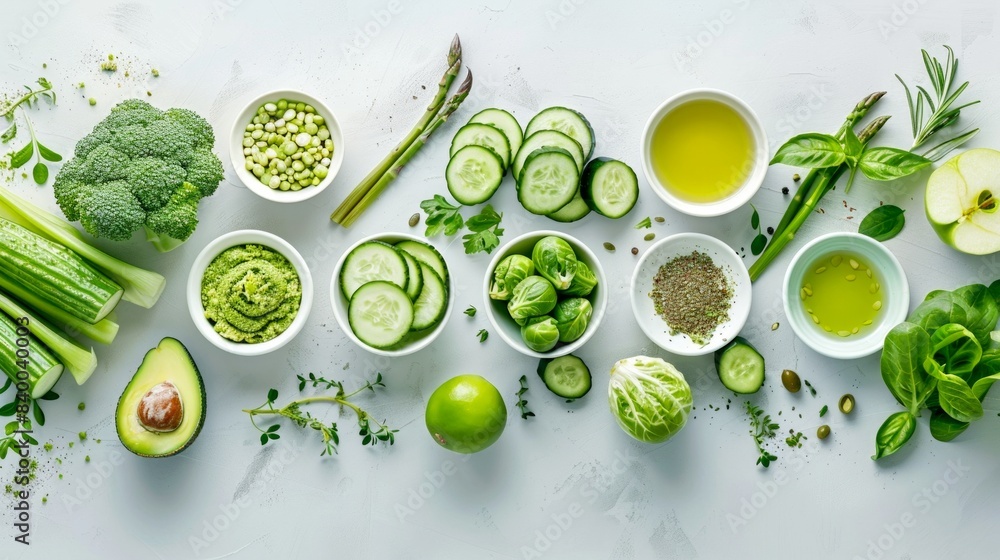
(981, 309)
(811, 150)
(957, 350)
(22, 156)
(907, 347)
(852, 145)
(48, 154)
(987, 373)
(758, 244)
(754, 218)
(883, 223)
(944, 427)
(39, 415)
(40, 173)
(887, 164)
(894, 433)
(958, 400)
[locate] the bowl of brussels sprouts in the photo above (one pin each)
(545, 294)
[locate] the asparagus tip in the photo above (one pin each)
(466, 84)
(455, 52)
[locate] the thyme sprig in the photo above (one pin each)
(762, 429)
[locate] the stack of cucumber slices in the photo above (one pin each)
(396, 291)
(549, 162)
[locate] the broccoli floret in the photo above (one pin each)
(141, 168)
(111, 211)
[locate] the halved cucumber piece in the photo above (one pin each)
(372, 261)
(740, 366)
(547, 139)
(478, 134)
(609, 187)
(505, 122)
(426, 254)
(567, 121)
(566, 376)
(548, 181)
(415, 280)
(474, 173)
(380, 314)
(431, 304)
(576, 210)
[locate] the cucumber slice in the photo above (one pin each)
(567, 121)
(415, 280)
(474, 173)
(576, 210)
(426, 254)
(380, 314)
(372, 261)
(740, 366)
(505, 122)
(547, 139)
(609, 187)
(548, 181)
(430, 306)
(477, 134)
(566, 376)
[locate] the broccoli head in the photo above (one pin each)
(141, 168)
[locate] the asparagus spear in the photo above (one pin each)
(366, 184)
(824, 181)
(392, 173)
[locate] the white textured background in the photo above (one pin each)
(570, 472)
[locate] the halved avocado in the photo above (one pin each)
(166, 372)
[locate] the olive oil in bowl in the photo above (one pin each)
(842, 294)
(702, 151)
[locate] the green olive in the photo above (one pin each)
(846, 403)
(791, 381)
(823, 432)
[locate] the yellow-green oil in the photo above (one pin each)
(702, 151)
(841, 293)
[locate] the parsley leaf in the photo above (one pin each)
(442, 216)
(486, 231)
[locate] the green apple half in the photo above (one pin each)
(960, 201)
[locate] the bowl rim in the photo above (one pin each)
(835, 348)
(337, 299)
(753, 181)
(244, 237)
(723, 251)
(600, 305)
(238, 159)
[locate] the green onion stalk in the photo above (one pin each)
(414, 147)
(355, 199)
(814, 187)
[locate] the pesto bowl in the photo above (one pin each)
(509, 330)
(234, 239)
(655, 327)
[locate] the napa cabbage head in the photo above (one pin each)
(649, 397)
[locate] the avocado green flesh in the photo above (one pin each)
(169, 361)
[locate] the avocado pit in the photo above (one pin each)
(160, 409)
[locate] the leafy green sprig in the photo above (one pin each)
(371, 430)
(759, 240)
(522, 403)
(445, 217)
(762, 429)
(40, 171)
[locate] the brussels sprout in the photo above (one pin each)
(532, 297)
(649, 398)
(572, 317)
(583, 281)
(509, 274)
(540, 333)
(555, 261)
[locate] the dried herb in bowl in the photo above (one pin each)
(692, 295)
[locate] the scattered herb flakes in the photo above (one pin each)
(822, 411)
(48, 446)
(154, 72)
(92, 101)
(812, 390)
(522, 403)
(81, 406)
(110, 65)
(483, 334)
(644, 223)
(692, 295)
(87, 459)
(83, 436)
(795, 438)
(471, 311)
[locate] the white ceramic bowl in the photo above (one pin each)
(509, 330)
(895, 304)
(678, 245)
(239, 160)
(414, 341)
(233, 239)
(754, 179)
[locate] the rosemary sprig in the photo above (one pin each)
(522, 403)
(762, 429)
(939, 106)
(371, 430)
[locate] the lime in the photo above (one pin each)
(466, 414)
